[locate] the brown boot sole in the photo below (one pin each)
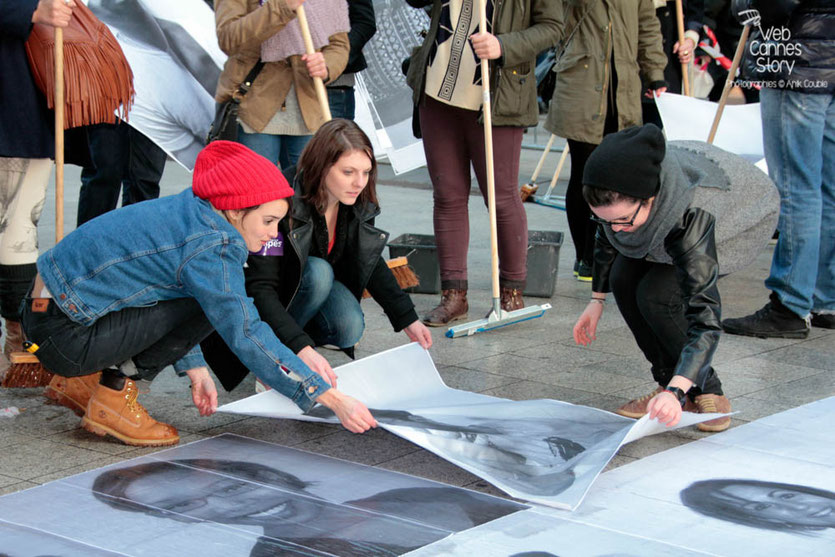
(721, 426)
(633, 415)
(102, 430)
(439, 324)
(64, 400)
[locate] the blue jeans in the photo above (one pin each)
(325, 307)
(284, 150)
(799, 140)
(342, 102)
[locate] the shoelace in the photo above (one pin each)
(707, 405)
(132, 404)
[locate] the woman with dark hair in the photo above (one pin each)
(760, 504)
(308, 282)
(673, 219)
(162, 275)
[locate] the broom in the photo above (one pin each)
(403, 273)
(406, 277)
(740, 49)
(530, 188)
(25, 370)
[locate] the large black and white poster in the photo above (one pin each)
(230, 495)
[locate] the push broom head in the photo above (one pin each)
(25, 372)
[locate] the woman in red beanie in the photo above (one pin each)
(137, 289)
(308, 283)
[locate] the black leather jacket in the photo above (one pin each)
(692, 247)
(809, 67)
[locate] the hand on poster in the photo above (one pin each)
(56, 13)
(203, 390)
(318, 363)
(585, 330)
(316, 65)
(486, 46)
(353, 414)
(417, 332)
(665, 408)
(655, 91)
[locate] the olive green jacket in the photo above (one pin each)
(525, 28)
(630, 29)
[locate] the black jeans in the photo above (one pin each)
(122, 156)
(651, 302)
(153, 336)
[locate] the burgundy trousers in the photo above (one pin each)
(453, 139)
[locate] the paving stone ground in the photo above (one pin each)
(535, 359)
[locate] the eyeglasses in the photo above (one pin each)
(629, 222)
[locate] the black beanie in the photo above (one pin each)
(628, 162)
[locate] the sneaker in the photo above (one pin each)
(582, 271)
(823, 320)
(72, 392)
(637, 408)
(774, 320)
(261, 387)
(118, 414)
(453, 307)
(710, 404)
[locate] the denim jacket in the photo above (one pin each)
(173, 247)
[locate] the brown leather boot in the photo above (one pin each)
(14, 337)
(453, 307)
(511, 299)
(72, 392)
(117, 413)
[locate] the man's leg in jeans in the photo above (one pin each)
(823, 301)
(793, 137)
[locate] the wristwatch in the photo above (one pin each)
(678, 393)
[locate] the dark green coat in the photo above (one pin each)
(525, 28)
(630, 29)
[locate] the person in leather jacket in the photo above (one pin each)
(673, 219)
(307, 283)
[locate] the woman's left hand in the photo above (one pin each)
(316, 65)
(203, 390)
(655, 92)
(685, 50)
(417, 332)
(665, 407)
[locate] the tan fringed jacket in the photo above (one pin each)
(242, 25)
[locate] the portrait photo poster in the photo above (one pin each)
(761, 489)
(230, 495)
(543, 451)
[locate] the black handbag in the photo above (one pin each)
(225, 124)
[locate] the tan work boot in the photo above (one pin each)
(453, 307)
(72, 392)
(709, 404)
(511, 299)
(637, 408)
(117, 413)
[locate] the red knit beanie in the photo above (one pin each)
(231, 176)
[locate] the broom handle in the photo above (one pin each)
(685, 77)
(542, 159)
(59, 134)
(488, 156)
(557, 172)
(740, 48)
(318, 84)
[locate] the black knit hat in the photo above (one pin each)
(628, 162)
